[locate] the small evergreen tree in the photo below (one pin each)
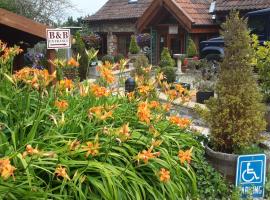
(79, 48)
(236, 116)
(133, 46)
(166, 59)
(192, 49)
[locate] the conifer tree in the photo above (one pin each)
(133, 47)
(166, 60)
(192, 49)
(236, 116)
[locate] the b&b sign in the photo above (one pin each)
(250, 175)
(58, 38)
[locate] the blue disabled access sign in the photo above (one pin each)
(250, 175)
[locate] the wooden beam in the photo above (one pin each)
(22, 23)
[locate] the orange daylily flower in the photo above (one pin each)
(154, 104)
(164, 175)
(185, 156)
(181, 122)
(167, 107)
(124, 133)
(73, 145)
(91, 148)
(156, 143)
(101, 112)
(147, 155)
(106, 74)
(61, 105)
(30, 151)
(6, 169)
(180, 88)
(66, 84)
(73, 63)
(131, 96)
(144, 89)
(143, 112)
(83, 90)
(99, 91)
(61, 172)
(172, 94)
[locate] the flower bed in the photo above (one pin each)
(83, 141)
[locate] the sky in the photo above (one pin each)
(86, 7)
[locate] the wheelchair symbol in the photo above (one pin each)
(249, 175)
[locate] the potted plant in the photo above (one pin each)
(134, 48)
(205, 91)
(236, 116)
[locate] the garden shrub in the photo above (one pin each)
(262, 62)
(118, 57)
(141, 62)
(236, 116)
(133, 46)
(79, 48)
(169, 73)
(108, 58)
(191, 49)
(166, 59)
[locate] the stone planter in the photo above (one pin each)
(203, 96)
(133, 57)
(224, 163)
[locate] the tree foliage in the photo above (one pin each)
(236, 116)
(44, 11)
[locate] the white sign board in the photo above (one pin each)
(58, 38)
(173, 29)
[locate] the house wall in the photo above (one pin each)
(112, 29)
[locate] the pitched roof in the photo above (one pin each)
(226, 5)
(120, 9)
(187, 12)
(197, 10)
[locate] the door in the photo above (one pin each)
(174, 44)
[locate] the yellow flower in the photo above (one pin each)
(164, 175)
(61, 105)
(61, 172)
(124, 133)
(185, 156)
(6, 169)
(91, 148)
(101, 112)
(83, 90)
(156, 143)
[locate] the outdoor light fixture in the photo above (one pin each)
(130, 85)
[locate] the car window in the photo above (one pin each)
(257, 25)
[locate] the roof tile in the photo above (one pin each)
(120, 9)
(226, 5)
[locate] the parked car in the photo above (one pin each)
(259, 24)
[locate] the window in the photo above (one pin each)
(132, 1)
(257, 25)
